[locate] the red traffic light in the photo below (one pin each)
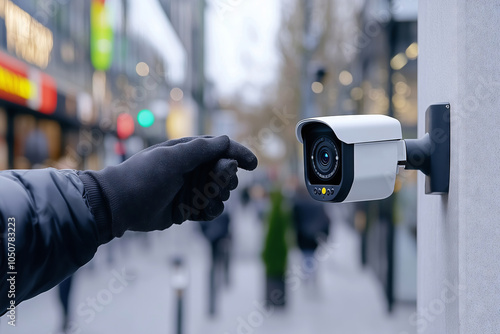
(124, 126)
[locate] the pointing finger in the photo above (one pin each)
(245, 158)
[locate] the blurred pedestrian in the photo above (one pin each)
(52, 221)
(36, 148)
(312, 226)
(64, 293)
(217, 234)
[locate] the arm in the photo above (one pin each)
(55, 233)
(61, 217)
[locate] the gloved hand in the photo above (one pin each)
(166, 184)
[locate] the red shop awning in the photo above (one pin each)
(26, 86)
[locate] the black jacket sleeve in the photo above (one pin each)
(54, 231)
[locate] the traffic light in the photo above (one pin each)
(124, 126)
(145, 118)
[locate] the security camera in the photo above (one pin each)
(356, 157)
(350, 158)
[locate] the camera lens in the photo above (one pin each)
(324, 158)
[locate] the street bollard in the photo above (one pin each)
(179, 282)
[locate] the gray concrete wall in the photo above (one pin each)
(459, 234)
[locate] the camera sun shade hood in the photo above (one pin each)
(354, 129)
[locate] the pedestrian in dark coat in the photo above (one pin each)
(217, 234)
(312, 225)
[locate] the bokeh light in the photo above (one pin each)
(142, 69)
(145, 118)
(412, 51)
(399, 61)
(317, 87)
(345, 78)
(176, 94)
(357, 93)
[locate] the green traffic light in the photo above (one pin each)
(145, 118)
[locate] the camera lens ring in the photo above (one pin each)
(324, 158)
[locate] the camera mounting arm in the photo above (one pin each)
(431, 153)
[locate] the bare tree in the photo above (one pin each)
(311, 37)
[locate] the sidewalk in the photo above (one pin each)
(133, 294)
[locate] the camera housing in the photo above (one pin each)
(351, 158)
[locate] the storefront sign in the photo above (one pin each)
(101, 36)
(26, 86)
(27, 37)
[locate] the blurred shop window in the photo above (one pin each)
(69, 159)
(52, 130)
(93, 162)
(23, 125)
(4, 149)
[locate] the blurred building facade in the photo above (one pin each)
(188, 21)
(384, 74)
(69, 69)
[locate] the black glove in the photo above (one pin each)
(165, 184)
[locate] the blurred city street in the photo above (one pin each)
(249, 167)
(90, 86)
(347, 298)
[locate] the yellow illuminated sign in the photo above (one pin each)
(180, 122)
(27, 37)
(17, 85)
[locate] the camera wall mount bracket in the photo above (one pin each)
(431, 153)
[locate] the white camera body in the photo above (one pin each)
(351, 158)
